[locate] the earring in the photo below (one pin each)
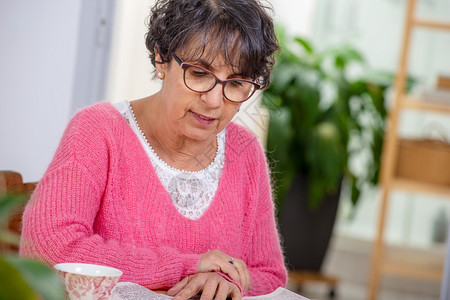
(160, 75)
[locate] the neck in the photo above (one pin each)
(184, 154)
(177, 151)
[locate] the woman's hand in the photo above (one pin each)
(211, 285)
(235, 268)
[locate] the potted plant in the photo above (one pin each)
(325, 109)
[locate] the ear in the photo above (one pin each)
(160, 66)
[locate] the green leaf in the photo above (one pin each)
(39, 277)
(316, 192)
(355, 191)
(326, 156)
(13, 285)
(305, 44)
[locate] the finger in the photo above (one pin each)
(179, 286)
(223, 290)
(244, 275)
(217, 260)
(209, 289)
(230, 269)
(234, 292)
(192, 288)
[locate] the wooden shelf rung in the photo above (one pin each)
(300, 277)
(415, 103)
(431, 24)
(421, 187)
(405, 270)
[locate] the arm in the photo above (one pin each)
(58, 227)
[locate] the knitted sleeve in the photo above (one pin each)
(58, 223)
(265, 259)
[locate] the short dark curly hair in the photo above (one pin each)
(240, 30)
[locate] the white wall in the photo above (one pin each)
(297, 16)
(37, 59)
(130, 74)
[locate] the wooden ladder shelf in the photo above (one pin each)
(388, 180)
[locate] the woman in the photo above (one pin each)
(165, 188)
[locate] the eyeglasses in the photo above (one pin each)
(201, 80)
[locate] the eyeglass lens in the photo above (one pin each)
(202, 80)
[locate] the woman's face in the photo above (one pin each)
(197, 116)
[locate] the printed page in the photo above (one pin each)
(133, 291)
(279, 294)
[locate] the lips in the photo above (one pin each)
(203, 119)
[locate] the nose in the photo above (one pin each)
(214, 98)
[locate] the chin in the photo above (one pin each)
(200, 135)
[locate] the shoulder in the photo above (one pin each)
(99, 119)
(96, 127)
(93, 131)
(99, 113)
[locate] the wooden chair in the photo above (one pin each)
(12, 183)
(300, 278)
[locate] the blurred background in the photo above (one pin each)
(59, 56)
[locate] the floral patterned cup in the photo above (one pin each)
(87, 281)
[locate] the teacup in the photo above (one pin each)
(88, 281)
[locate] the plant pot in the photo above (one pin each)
(306, 232)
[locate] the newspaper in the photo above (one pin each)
(133, 291)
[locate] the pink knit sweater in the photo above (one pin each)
(101, 202)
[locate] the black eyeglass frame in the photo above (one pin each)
(184, 66)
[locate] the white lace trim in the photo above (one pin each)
(191, 192)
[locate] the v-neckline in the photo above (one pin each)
(168, 200)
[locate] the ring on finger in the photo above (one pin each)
(231, 261)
